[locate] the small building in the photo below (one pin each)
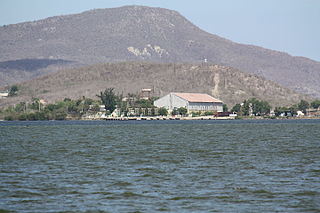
(4, 94)
(313, 112)
(102, 108)
(145, 94)
(191, 101)
(300, 113)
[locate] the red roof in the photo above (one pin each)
(197, 97)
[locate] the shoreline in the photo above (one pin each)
(168, 118)
(150, 118)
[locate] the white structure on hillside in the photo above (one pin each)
(4, 94)
(145, 94)
(191, 101)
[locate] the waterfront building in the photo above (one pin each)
(313, 112)
(191, 101)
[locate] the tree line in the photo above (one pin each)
(257, 107)
(36, 110)
(75, 109)
(252, 106)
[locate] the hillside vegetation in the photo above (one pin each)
(228, 84)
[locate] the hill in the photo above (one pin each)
(137, 33)
(228, 84)
(23, 69)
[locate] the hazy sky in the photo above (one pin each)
(292, 26)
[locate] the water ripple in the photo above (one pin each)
(160, 166)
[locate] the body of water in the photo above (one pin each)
(160, 166)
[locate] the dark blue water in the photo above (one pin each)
(153, 166)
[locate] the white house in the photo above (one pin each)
(4, 94)
(191, 101)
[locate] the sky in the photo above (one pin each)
(291, 26)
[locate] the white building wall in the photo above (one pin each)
(163, 102)
(170, 102)
(4, 94)
(219, 107)
(177, 102)
(194, 106)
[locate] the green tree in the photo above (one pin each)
(88, 101)
(109, 99)
(36, 104)
(51, 107)
(41, 116)
(153, 111)
(144, 103)
(293, 110)
(73, 107)
(31, 116)
(9, 118)
(22, 117)
(256, 107)
(245, 108)
(253, 106)
(21, 107)
(182, 111)
(281, 110)
(236, 108)
(303, 106)
(315, 104)
(261, 108)
(60, 115)
(13, 90)
(163, 111)
(225, 107)
(175, 111)
(95, 108)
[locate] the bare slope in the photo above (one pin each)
(20, 70)
(148, 34)
(225, 83)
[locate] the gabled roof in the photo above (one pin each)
(197, 97)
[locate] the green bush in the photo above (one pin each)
(163, 111)
(22, 117)
(182, 111)
(9, 118)
(13, 90)
(60, 116)
(174, 112)
(41, 116)
(225, 108)
(31, 117)
(207, 113)
(315, 104)
(196, 114)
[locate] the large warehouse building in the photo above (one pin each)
(191, 101)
